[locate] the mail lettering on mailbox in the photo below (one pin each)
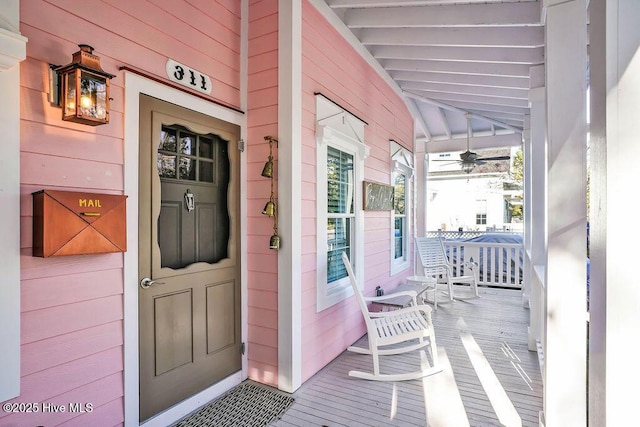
(74, 223)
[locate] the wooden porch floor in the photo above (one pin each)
(489, 377)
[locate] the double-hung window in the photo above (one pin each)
(340, 211)
(340, 154)
(401, 160)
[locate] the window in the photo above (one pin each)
(401, 160)
(399, 216)
(481, 212)
(340, 211)
(340, 158)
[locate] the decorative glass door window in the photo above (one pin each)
(193, 225)
(185, 155)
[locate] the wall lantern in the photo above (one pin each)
(85, 89)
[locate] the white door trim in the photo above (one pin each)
(133, 87)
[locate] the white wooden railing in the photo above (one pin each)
(499, 264)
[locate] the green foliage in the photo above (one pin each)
(517, 171)
(517, 174)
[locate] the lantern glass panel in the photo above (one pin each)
(70, 95)
(93, 96)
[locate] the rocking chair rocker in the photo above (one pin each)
(394, 332)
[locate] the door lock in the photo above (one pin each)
(146, 283)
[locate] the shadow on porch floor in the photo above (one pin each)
(489, 377)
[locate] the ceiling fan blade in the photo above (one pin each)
(451, 162)
(494, 158)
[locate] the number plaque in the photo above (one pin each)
(187, 76)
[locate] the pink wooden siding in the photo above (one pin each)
(331, 66)
(262, 262)
(72, 307)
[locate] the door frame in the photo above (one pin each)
(134, 86)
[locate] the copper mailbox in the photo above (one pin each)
(74, 223)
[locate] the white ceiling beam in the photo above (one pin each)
(475, 143)
(486, 69)
(486, 108)
(461, 79)
(444, 15)
(476, 36)
(338, 4)
(445, 123)
(513, 93)
(459, 109)
(502, 117)
(478, 99)
(418, 117)
(528, 56)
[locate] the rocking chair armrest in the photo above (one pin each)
(437, 266)
(412, 294)
(411, 309)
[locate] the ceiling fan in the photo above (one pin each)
(469, 159)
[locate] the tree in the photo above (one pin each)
(517, 176)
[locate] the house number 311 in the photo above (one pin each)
(187, 76)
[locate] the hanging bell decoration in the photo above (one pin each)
(269, 209)
(274, 242)
(267, 171)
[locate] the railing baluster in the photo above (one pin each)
(499, 264)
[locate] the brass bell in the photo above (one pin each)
(267, 171)
(269, 209)
(274, 242)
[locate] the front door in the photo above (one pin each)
(189, 294)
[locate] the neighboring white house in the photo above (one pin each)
(478, 201)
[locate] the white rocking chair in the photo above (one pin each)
(402, 330)
(435, 263)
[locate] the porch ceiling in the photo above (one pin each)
(451, 57)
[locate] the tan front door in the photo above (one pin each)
(189, 294)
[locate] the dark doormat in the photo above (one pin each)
(248, 404)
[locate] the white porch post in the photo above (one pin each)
(565, 349)
(614, 288)
(526, 177)
(420, 189)
(289, 194)
(536, 186)
(12, 51)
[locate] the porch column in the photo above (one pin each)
(12, 51)
(526, 211)
(565, 348)
(536, 187)
(420, 189)
(289, 194)
(614, 286)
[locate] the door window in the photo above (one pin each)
(193, 225)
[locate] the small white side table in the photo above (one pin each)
(419, 284)
(426, 283)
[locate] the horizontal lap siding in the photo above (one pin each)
(332, 67)
(72, 307)
(262, 262)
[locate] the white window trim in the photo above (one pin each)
(401, 161)
(337, 128)
(12, 52)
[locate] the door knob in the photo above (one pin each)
(146, 283)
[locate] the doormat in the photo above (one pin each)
(247, 404)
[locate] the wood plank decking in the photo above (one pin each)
(489, 377)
